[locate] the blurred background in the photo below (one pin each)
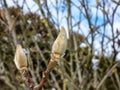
(91, 61)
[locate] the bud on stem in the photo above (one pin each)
(58, 50)
(20, 58)
(60, 44)
(21, 64)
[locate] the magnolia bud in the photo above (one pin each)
(60, 43)
(20, 58)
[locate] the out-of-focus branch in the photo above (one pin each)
(6, 80)
(86, 8)
(102, 42)
(11, 23)
(113, 35)
(44, 16)
(107, 74)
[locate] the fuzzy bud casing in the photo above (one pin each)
(20, 58)
(60, 44)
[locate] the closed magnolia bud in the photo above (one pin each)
(20, 58)
(60, 43)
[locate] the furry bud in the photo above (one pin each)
(60, 43)
(20, 58)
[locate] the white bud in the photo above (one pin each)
(60, 43)
(20, 58)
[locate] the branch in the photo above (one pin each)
(50, 67)
(21, 64)
(27, 78)
(107, 74)
(58, 50)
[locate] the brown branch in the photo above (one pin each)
(50, 67)
(27, 78)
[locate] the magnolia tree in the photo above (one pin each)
(35, 53)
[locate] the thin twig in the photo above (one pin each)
(26, 76)
(11, 23)
(108, 73)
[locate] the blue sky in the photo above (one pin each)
(84, 28)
